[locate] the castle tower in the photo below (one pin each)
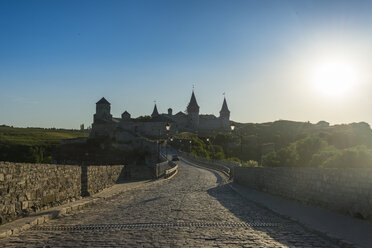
(155, 111)
(125, 116)
(225, 114)
(193, 112)
(103, 108)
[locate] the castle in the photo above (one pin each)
(105, 125)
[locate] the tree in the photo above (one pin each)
(271, 160)
(319, 158)
(307, 147)
(355, 157)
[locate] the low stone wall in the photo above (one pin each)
(27, 188)
(165, 169)
(348, 191)
(103, 176)
(161, 168)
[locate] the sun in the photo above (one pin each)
(334, 77)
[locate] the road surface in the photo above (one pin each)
(196, 208)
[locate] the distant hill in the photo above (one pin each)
(303, 144)
(278, 144)
(37, 136)
(32, 144)
(288, 144)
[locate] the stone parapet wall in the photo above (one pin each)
(164, 168)
(348, 191)
(103, 176)
(161, 168)
(27, 188)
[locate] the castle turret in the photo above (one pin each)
(103, 108)
(225, 114)
(155, 111)
(125, 116)
(193, 112)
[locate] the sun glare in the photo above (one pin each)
(334, 78)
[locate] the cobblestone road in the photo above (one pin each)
(196, 208)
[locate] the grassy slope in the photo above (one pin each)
(36, 136)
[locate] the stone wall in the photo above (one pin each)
(102, 176)
(27, 188)
(348, 191)
(161, 168)
(210, 123)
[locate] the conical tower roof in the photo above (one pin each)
(224, 106)
(193, 105)
(155, 111)
(224, 110)
(103, 101)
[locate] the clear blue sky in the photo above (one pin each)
(57, 58)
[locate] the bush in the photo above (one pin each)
(318, 159)
(306, 148)
(356, 157)
(216, 152)
(271, 160)
(285, 157)
(198, 148)
(250, 163)
(234, 159)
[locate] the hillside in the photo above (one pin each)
(302, 144)
(36, 136)
(288, 144)
(32, 144)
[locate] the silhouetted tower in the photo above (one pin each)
(102, 114)
(125, 116)
(225, 114)
(193, 112)
(155, 111)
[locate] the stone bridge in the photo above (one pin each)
(195, 208)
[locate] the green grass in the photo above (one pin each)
(36, 136)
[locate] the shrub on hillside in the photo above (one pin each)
(355, 157)
(250, 163)
(319, 158)
(306, 148)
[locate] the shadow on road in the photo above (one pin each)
(287, 232)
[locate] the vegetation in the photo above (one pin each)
(341, 146)
(274, 144)
(34, 145)
(250, 163)
(199, 146)
(288, 144)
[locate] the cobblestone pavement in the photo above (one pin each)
(196, 208)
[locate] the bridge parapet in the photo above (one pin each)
(344, 190)
(165, 169)
(27, 188)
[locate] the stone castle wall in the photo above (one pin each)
(348, 191)
(210, 124)
(27, 188)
